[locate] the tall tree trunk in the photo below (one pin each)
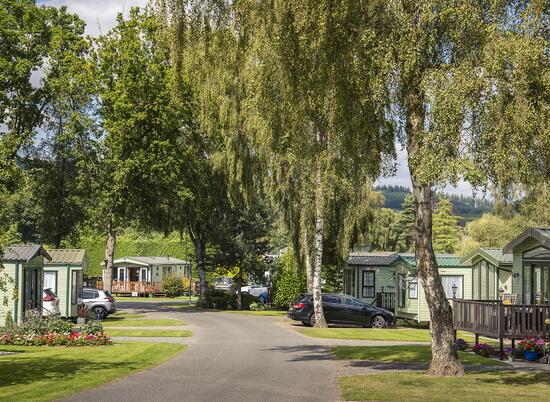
(445, 360)
(238, 284)
(109, 257)
(320, 321)
(307, 259)
(200, 256)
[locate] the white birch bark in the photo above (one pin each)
(109, 257)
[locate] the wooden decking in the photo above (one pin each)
(496, 320)
(121, 287)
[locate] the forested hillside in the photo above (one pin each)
(466, 207)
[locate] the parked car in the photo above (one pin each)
(257, 290)
(99, 301)
(50, 302)
(340, 309)
(223, 283)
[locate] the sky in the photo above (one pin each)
(100, 17)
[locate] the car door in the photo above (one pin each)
(356, 311)
(334, 311)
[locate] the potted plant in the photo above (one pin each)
(531, 348)
(510, 353)
(81, 314)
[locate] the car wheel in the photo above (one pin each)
(312, 320)
(306, 324)
(378, 322)
(99, 313)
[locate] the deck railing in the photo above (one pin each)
(497, 320)
(385, 300)
(133, 287)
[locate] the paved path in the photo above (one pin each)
(231, 357)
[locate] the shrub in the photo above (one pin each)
(289, 281)
(34, 324)
(460, 345)
(222, 300)
(56, 325)
(9, 320)
(483, 349)
(91, 328)
(172, 285)
(257, 306)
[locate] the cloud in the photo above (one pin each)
(100, 15)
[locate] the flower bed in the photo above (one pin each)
(483, 349)
(53, 331)
(52, 339)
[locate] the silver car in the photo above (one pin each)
(99, 301)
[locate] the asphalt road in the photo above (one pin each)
(231, 357)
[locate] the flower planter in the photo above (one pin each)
(81, 320)
(530, 356)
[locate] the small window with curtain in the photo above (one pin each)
(368, 284)
(448, 281)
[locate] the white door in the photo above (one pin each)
(143, 275)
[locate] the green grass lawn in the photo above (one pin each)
(406, 354)
(48, 373)
(383, 334)
(159, 322)
(155, 299)
(372, 334)
(482, 386)
(149, 332)
(121, 316)
(273, 313)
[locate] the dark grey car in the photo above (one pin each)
(340, 309)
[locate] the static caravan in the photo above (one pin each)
(491, 273)
(371, 277)
(411, 302)
(63, 274)
(531, 266)
(23, 265)
(144, 275)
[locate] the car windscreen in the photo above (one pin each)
(50, 292)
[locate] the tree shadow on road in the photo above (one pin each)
(304, 352)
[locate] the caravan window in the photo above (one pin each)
(448, 281)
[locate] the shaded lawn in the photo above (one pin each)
(159, 322)
(272, 313)
(407, 354)
(48, 373)
(149, 332)
(384, 334)
(415, 386)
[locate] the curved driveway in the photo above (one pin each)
(231, 357)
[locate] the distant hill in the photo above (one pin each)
(466, 207)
